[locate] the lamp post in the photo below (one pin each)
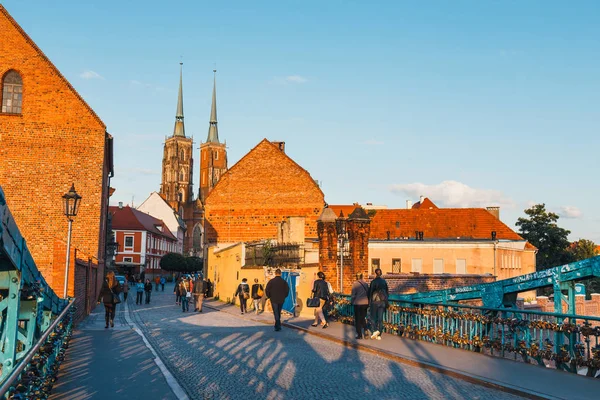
(71, 203)
(340, 227)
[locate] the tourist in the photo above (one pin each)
(125, 289)
(257, 294)
(109, 295)
(243, 293)
(139, 287)
(162, 283)
(176, 292)
(277, 290)
(321, 291)
(360, 300)
(378, 301)
(198, 294)
(184, 295)
(157, 282)
(209, 287)
(148, 290)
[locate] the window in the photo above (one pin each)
(127, 259)
(181, 175)
(461, 266)
(374, 264)
(417, 265)
(216, 155)
(129, 242)
(204, 178)
(438, 265)
(12, 93)
(396, 265)
(197, 238)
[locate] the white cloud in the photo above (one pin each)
(89, 74)
(570, 212)
(295, 79)
(373, 142)
(454, 194)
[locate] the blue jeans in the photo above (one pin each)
(185, 304)
(377, 310)
(277, 314)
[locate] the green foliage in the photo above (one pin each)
(541, 230)
(175, 262)
(583, 249)
(371, 213)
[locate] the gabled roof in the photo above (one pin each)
(132, 219)
(440, 223)
(47, 61)
(425, 204)
(346, 209)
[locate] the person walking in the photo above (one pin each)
(359, 298)
(185, 294)
(198, 294)
(378, 300)
(176, 292)
(148, 290)
(257, 293)
(125, 290)
(139, 288)
(162, 283)
(157, 282)
(243, 293)
(277, 290)
(321, 291)
(109, 295)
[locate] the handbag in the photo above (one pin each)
(313, 302)
(188, 294)
(246, 295)
(259, 291)
(115, 297)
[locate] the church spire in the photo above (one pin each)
(213, 132)
(179, 129)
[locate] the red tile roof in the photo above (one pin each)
(130, 218)
(426, 204)
(439, 223)
(345, 208)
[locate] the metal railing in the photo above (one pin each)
(568, 342)
(35, 374)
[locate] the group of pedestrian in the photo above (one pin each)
(190, 288)
(244, 292)
(373, 297)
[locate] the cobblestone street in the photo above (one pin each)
(215, 355)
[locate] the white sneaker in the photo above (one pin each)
(378, 337)
(375, 335)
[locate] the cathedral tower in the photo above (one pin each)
(177, 168)
(213, 154)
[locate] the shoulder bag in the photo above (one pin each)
(115, 297)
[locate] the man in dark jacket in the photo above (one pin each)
(198, 294)
(277, 290)
(378, 300)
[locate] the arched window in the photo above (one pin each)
(12, 93)
(182, 154)
(197, 239)
(180, 197)
(182, 175)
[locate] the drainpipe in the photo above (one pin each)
(495, 248)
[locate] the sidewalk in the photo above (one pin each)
(111, 363)
(512, 376)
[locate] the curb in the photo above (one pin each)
(477, 380)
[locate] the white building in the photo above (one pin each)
(156, 206)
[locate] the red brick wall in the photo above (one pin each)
(261, 190)
(56, 141)
(413, 283)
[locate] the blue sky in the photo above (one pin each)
(470, 103)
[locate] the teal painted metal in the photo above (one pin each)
(29, 306)
(503, 293)
(522, 335)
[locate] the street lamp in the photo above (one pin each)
(340, 228)
(71, 203)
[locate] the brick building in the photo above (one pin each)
(142, 239)
(260, 191)
(50, 138)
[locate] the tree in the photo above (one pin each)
(194, 264)
(583, 249)
(173, 262)
(541, 230)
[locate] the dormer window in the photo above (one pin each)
(12, 93)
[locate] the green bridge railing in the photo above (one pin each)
(567, 342)
(35, 324)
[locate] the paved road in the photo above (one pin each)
(215, 355)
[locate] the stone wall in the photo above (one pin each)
(414, 283)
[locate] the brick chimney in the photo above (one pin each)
(281, 145)
(495, 211)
